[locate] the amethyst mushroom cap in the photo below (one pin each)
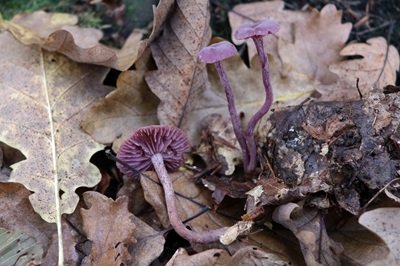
(217, 52)
(137, 151)
(161, 148)
(259, 28)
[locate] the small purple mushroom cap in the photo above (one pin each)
(217, 52)
(137, 151)
(259, 28)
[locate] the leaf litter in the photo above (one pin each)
(330, 154)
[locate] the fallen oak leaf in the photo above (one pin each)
(57, 32)
(376, 69)
(316, 44)
(107, 223)
(44, 95)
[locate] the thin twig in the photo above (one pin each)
(378, 193)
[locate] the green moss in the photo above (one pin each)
(90, 20)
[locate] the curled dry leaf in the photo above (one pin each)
(180, 77)
(385, 223)
(309, 228)
(58, 33)
(153, 194)
(107, 223)
(43, 96)
(246, 256)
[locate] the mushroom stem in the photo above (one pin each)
(250, 139)
(176, 223)
(233, 112)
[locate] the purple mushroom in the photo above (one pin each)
(256, 31)
(161, 148)
(215, 53)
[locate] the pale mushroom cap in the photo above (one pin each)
(137, 151)
(259, 28)
(217, 52)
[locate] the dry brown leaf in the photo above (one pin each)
(246, 256)
(367, 70)
(385, 223)
(360, 246)
(43, 96)
(307, 42)
(149, 246)
(180, 78)
(154, 195)
(309, 228)
(17, 215)
(125, 109)
(57, 32)
(107, 223)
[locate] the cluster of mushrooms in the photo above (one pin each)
(162, 147)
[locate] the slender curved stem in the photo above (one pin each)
(176, 223)
(250, 140)
(233, 112)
